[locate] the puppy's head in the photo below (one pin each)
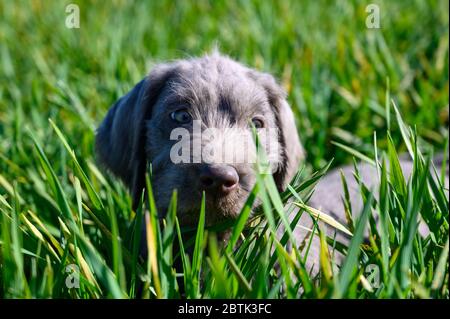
(192, 120)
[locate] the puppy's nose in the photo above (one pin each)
(218, 178)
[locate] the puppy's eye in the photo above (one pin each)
(258, 122)
(181, 116)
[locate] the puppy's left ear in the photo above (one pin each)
(291, 149)
(121, 137)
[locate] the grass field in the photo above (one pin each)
(57, 208)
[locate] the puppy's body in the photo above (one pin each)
(329, 194)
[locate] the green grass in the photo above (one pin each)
(57, 208)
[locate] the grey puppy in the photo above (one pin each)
(217, 92)
(221, 93)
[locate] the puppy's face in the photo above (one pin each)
(213, 103)
(191, 120)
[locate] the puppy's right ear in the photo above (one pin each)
(291, 148)
(120, 139)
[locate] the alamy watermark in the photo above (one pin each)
(372, 273)
(223, 145)
(73, 16)
(373, 16)
(73, 276)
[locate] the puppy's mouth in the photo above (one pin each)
(218, 209)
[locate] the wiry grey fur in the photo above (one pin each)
(218, 91)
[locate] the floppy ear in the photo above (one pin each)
(291, 149)
(120, 138)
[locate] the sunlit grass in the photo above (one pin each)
(57, 208)
(256, 263)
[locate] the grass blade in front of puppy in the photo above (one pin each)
(153, 242)
(395, 171)
(347, 203)
(413, 205)
(267, 186)
(243, 282)
(354, 152)
(315, 213)
(284, 239)
(386, 227)
(248, 264)
(324, 257)
(262, 280)
(431, 196)
(348, 268)
(307, 183)
(165, 258)
(185, 261)
(242, 218)
(136, 245)
(220, 284)
(336, 245)
(299, 269)
(198, 251)
(269, 195)
(251, 248)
